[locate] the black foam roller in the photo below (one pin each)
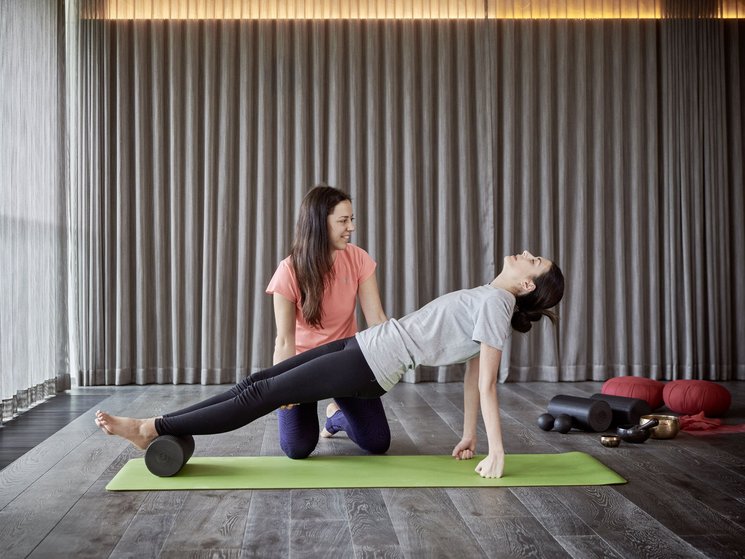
(586, 414)
(166, 455)
(626, 411)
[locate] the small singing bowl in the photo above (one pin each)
(667, 428)
(611, 441)
(633, 433)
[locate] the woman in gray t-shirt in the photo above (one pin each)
(468, 325)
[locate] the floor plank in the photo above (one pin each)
(209, 521)
(369, 522)
(587, 547)
(428, 524)
(267, 533)
(32, 427)
(515, 536)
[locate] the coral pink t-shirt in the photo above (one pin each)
(352, 267)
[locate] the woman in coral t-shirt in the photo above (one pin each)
(315, 292)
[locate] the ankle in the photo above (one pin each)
(147, 429)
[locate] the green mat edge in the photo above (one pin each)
(181, 482)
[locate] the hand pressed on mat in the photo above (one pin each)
(491, 466)
(465, 449)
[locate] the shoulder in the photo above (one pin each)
(353, 252)
(495, 297)
(502, 294)
(357, 259)
(285, 268)
(284, 281)
(493, 318)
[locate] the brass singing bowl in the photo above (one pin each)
(611, 441)
(667, 428)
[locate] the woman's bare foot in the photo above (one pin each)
(331, 409)
(140, 432)
(100, 425)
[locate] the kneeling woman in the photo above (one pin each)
(451, 329)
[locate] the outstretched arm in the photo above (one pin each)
(370, 303)
(466, 448)
(493, 464)
(284, 345)
(284, 317)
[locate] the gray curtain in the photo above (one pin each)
(619, 149)
(34, 343)
(614, 147)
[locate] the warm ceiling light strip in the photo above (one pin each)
(388, 9)
(288, 9)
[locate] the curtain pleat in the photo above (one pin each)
(614, 147)
(733, 148)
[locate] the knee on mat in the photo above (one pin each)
(377, 445)
(297, 451)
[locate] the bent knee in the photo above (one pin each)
(297, 452)
(377, 445)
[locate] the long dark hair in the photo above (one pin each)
(310, 253)
(531, 307)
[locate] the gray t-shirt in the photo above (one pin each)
(445, 331)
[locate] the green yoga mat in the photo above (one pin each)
(325, 472)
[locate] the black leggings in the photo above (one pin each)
(336, 369)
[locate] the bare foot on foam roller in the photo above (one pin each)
(140, 432)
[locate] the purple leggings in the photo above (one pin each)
(363, 420)
(334, 370)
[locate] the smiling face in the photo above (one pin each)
(340, 225)
(524, 268)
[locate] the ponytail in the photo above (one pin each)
(531, 307)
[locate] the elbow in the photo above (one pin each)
(487, 386)
(378, 318)
(284, 347)
(280, 342)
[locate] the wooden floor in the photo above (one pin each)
(42, 421)
(685, 497)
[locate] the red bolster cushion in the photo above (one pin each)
(689, 397)
(646, 389)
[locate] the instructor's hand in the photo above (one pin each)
(491, 466)
(287, 406)
(465, 449)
